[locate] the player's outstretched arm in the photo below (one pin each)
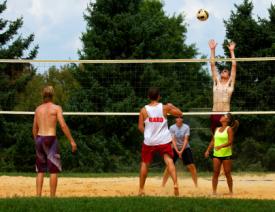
(212, 45)
(231, 48)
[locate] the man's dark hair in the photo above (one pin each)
(153, 93)
(223, 66)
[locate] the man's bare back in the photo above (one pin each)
(44, 123)
(46, 118)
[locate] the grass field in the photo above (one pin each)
(134, 204)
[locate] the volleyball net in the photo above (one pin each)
(102, 99)
(119, 87)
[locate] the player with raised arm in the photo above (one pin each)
(157, 138)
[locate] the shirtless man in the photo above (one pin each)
(46, 145)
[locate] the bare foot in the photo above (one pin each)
(176, 191)
(229, 194)
(141, 193)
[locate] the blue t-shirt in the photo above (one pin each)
(179, 133)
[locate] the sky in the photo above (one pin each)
(58, 24)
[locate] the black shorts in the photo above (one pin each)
(223, 158)
(187, 156)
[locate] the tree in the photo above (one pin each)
(254, 39)
(13, 77)
(132, 29)
(255, 81)
(60, 78)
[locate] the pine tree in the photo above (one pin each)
(13, 77)
(131, 29)
(135, 29)
(255, 82)
(16, 146)
(254, 39)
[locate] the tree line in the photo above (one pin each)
(136, 29)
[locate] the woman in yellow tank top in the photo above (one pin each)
(222, 155)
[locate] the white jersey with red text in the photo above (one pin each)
(156, 128)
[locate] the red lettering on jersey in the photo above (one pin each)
(156, 119)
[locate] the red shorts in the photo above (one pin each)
(215, 122)
(147, 152)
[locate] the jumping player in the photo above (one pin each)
(46, 145)
(223, 85)
(157, 138)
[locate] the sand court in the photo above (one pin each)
(245, 187)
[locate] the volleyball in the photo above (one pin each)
(202, 15)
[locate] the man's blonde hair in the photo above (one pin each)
(48, 93)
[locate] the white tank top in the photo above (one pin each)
(222, 96)
(156, 128)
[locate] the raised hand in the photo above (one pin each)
(212, 44)
(231, 46)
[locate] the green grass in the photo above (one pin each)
(134, 204)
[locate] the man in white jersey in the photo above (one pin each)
(157, 138)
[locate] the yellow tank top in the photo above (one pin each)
(219, 139)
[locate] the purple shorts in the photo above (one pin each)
(215, 122)
(47, 154)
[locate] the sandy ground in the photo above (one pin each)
(245, 186)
